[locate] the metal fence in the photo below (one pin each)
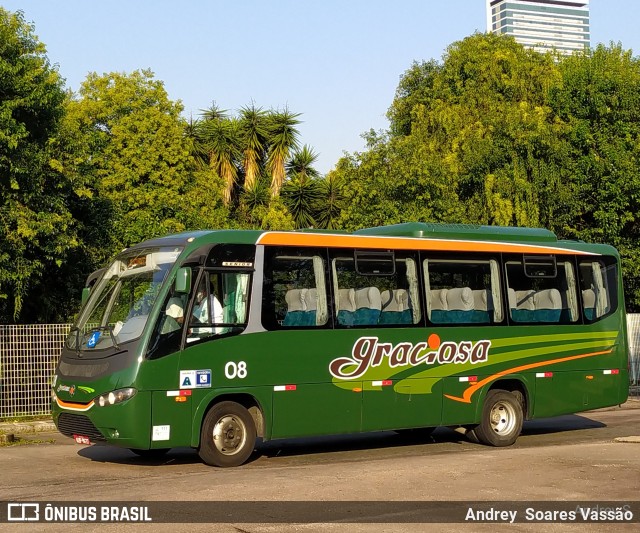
(633, 332)
(29, 354)
(28, 358)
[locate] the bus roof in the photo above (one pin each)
(461, 231)
(429, 235)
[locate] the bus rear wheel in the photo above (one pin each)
(228, 435)
(501, 421)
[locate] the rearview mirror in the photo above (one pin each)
(182, 284)
(86, 291)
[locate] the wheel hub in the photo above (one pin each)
(503, 418)
(229, 435)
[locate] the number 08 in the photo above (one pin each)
(235, 370)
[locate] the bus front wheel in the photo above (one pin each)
(501, 421)
(228, 435)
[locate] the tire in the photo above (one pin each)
(501, 421)
(228, 435)
(150, 454)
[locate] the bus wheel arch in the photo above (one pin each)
(502, 416)
(519, 390)
(228, 434)
(248, 401)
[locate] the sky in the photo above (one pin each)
(337, 62)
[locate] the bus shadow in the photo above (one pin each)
(357, 442)
(110, 454)
(309, 446)
(281, 447)
(559, 424)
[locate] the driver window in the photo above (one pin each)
(219, 305)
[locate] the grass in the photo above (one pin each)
(24, 418)
(19, 441)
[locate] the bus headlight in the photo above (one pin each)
(116, 396)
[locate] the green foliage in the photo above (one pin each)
(283, 138)
(600, 100)
(246, 148)
(37, 230)
(493, 134)
(301, 193)
(254, 135)
(497, 134)
(137, 158)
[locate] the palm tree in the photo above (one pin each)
(213, 112)
(331, 202)
(300, 193)
(220, 138)
(301, 163)
(283, 138)
(254, 132)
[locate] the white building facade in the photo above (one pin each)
(542, 25)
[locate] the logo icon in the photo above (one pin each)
(93, 340)
(23, 512)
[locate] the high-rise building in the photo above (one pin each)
(543, 25)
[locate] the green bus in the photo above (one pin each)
(214, 339)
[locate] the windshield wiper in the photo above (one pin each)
(77, 345)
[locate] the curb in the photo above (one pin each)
(36, 426)
(633, 438)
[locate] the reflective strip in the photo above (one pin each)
(544, 374)
(613, 371)
(384, 383)
(466, 379)
(183, 392)
(279, 388)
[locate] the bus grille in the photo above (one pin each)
(72, 424)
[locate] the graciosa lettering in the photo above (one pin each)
(368, 352)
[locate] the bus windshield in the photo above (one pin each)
(121, 301)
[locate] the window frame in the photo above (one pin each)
(568, 292)
(498, 316)
(415, 302)
(268, 315)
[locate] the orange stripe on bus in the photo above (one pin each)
(75, 406)
(405, 243)
(466, 397)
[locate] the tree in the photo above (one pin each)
(137, 157)
(301, 192)
(254, 136)
(37, 230)
(220, 138)
(331, 201)
(472, 140)
(600, 100)
(414, 88)
(283, 138)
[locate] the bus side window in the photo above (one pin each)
(375, 289)
(294, 294)
(543, 290)
(596, 278)
(463, 291)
